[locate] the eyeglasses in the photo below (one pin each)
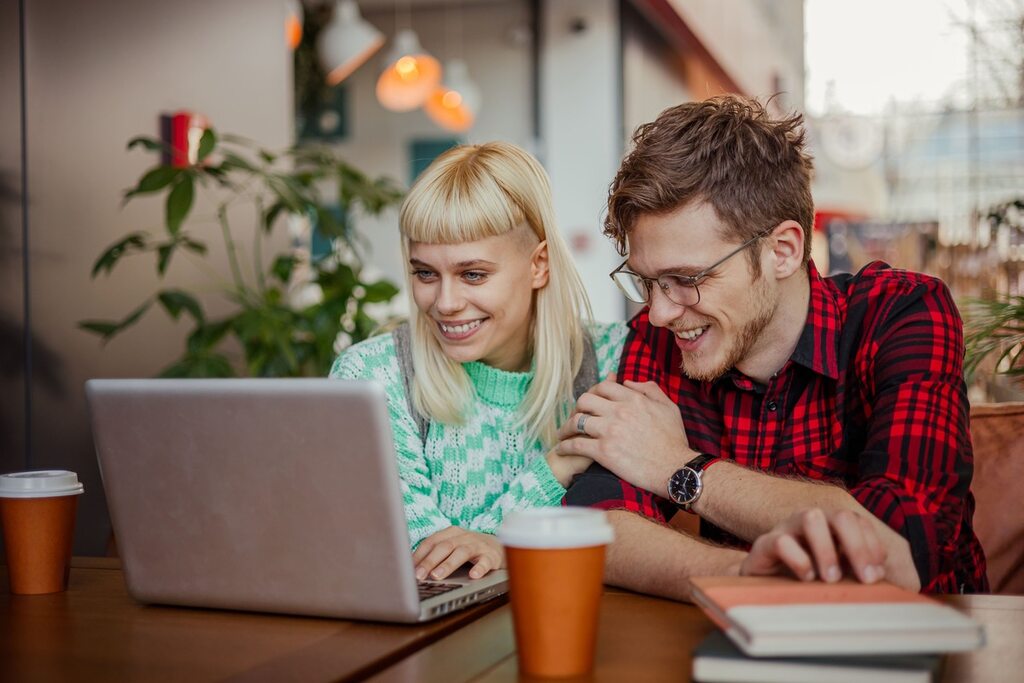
(680, 289)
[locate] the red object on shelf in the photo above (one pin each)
(181, 132)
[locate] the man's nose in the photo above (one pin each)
(662, 309)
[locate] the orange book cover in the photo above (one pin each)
(780, 616)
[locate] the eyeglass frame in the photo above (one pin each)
(689, 280)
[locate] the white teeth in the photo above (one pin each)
(690, 335)
(461, 329)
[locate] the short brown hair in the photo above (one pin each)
(726, 151)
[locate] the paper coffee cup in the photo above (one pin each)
(555, 560)
(37, 513)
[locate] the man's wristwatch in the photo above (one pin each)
(685, 486)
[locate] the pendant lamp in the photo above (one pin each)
(411, 74)
(293, 23)
(455, 104)
(347, 42)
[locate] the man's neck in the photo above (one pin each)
(778, 340)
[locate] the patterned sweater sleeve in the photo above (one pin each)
(536, 485)
(375, 359)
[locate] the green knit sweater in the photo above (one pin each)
(468, 475)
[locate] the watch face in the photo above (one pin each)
(684, 486)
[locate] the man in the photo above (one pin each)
(822, 420)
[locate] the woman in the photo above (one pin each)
(495, 344)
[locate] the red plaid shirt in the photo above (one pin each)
(873, 399)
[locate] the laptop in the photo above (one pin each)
(270, 495)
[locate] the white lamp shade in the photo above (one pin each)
(455, 104)
(411, 74)
(347, 42)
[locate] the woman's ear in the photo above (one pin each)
(539, 272)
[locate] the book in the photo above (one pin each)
(774, 616)
(718, 660)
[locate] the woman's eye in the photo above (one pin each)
(474, 276)
(423, 275)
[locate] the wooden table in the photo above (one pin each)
(641, 638)
(96, 632)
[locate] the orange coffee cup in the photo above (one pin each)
(555, 560)
(37, 513)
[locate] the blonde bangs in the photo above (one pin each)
(458, 200)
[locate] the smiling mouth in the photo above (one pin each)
(459, 330)
(691, 334)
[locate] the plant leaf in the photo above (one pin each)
(199, 366)
(152, 144)
(283, 267)
(154, 180)
(207, 335)
(164, 253)
(206, 144)
(107, 329)
(179, 203)
(136, 241)
(175, 301)
(380, 291)
(233, 161)
(194, 245)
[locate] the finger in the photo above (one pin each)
(594, 405)
(428, 543)
(791, 554)
(571, 427)
(579, 445)
(613, 391)
(818, 536)
(458, 557)
(436, 556)
(649, 389)
(876, 549)
(851, 538)
(762, 558)
(482, 565)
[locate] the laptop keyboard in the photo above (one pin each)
(430, 590)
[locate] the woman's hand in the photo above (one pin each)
(440, 554)
(565, 467)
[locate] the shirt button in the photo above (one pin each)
(772, 406)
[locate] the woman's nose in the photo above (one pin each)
(449, 298)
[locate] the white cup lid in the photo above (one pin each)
(556, 527)
(40, 484)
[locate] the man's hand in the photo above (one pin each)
(439, 554)
(812, 543)
(632, 429)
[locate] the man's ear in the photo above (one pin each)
(787, 249)
(539, 272)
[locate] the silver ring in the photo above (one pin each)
(581, 423)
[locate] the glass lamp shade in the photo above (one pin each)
(411, 74)
(347, 42)
(293, 24)
(455, 104)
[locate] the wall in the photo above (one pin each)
(95, 79)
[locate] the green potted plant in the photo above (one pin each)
(994, 325)
(292, 313)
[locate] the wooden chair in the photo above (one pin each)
(997, 432)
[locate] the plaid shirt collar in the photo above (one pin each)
(818, 347)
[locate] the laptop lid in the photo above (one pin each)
(277, 495)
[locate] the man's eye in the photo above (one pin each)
(474, 276)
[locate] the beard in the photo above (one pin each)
(701, 366)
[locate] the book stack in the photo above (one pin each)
(776, 629)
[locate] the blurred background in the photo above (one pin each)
(265, 246)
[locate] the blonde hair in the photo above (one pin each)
(469, 193)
